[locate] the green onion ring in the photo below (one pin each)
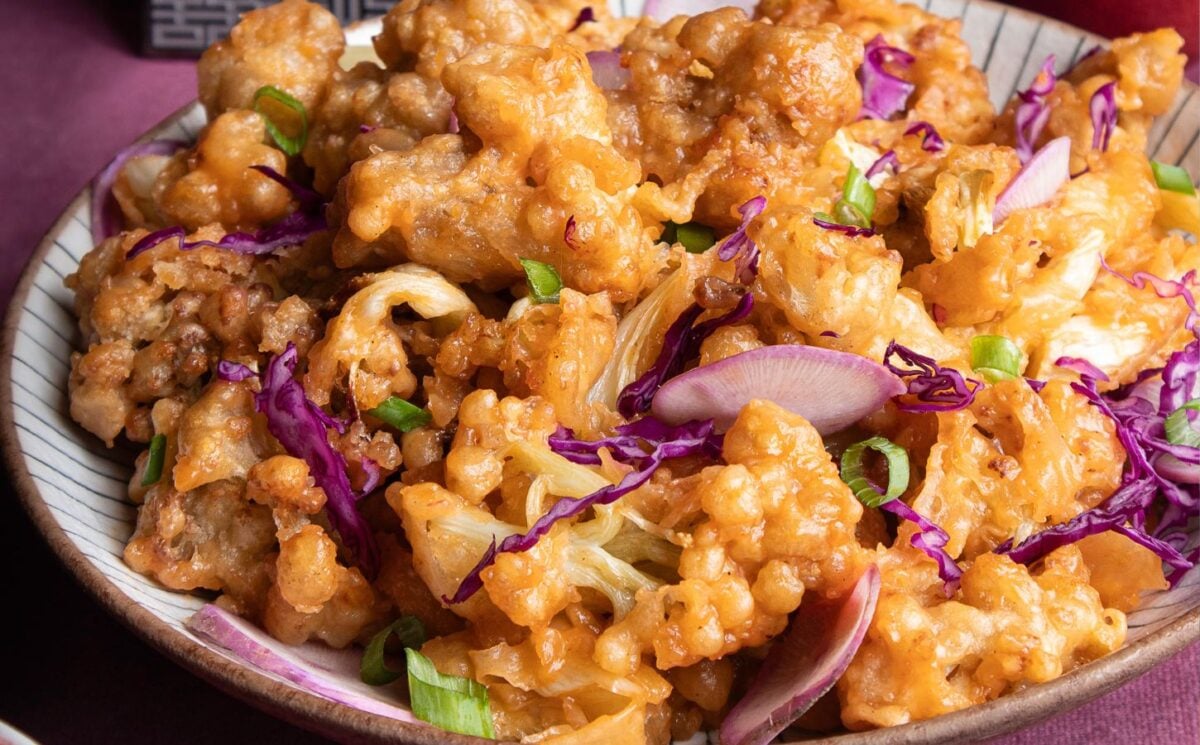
(854, 476)
(543, 280)
(373, 668)
(401, 414)
(289, 145)
(996, 358)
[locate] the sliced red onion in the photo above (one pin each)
(804, 665)
(931, 141)
(680, 344)
(1038, 180)
(1033, 112)
(587, 15)
(292, 230)
(693, 438)
(1103, 109)
(831, 389)
(887, 160)
(664, 10)
(851, 230)
(329, 673)
(936, 388)
(884, 94)
(106, 213)
(607, 72)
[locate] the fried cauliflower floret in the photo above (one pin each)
(98, 402)
(777, 521)
(306, 570)
(399, 582)
(214, 182)
(1120, 569)
(1007, 628)
(293, 45)
(486, 426)
(220, 437)
(546, 161)
(544, 356)
(362, 344)
(743, 105)
(1014, 463)
(210, 538)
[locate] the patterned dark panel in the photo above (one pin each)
(186, 27)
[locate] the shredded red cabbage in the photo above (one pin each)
(936, 388)
(374, 476)
(738, 244)
(931, 141)
(301, 427)
(1103, 109)
(680, 344)
(106, 213)
(569, 233)
(887, 160)
(851, 230)
(290, 231)
(1158, 473)
(587, 15)
(883, 94)
(366, 129)
(931, 540)
(1033, 112)
(658, 443)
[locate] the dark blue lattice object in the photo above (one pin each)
(187, 27)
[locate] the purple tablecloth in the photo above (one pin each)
(73, 94)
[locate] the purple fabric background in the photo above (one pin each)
(73, 94)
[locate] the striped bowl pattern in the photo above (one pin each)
(75, 489)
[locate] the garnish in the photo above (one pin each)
(887, 160)
(286, 143)
(936, 388)
(447, 701)
(1172, 178)
(855, 208)
(996, 358)
(607, 72)
(853, 473)
(569, 233)
(1178, 425)
(543, 281)
(400, 414)
(1033, 112)
(373, 669)
(883, 94)
(154, 462)
(1038, 180)
(694, 237)
(106, 213)
(931, 141)
(738, 244)
(587, 15)
(1103, 110)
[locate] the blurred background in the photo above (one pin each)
(82, 78)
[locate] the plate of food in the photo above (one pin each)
(551, 372)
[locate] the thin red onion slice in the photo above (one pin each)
(607, 72)
(1038, 180)
(329, 673)
(830, 389)
(664, 10)
(106, 214)
(804, 664)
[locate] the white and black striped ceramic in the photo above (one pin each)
(75, 489)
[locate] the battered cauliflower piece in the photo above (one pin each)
(293, 45)
(1009, 627)
(214, 183)
(777, 522)
(220, 437)
(363, 343)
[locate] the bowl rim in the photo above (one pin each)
(337, 721)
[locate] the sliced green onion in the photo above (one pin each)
(373, 669)
(1179, 429)
(1172, 178)
(447, 701)
(289, 145)
(543, 280)
(696, 238)
(855, 477)
(996, 358)
(857, 193)
(154, 464)
(401, 414)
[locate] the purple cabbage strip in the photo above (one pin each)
(738, 243)
(931, 540)
(887, 160)
(106, 213)
(301, 427)
(680, 344)
(629, 443)
(569, 233)
(851, 230)
(936, 388)
(883, 94)
(587, 15)
(1082, 367)
(931, 141)
(374, 476)
(290, 231)
(1103, 110)
(665, 442)
(1033, 112)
